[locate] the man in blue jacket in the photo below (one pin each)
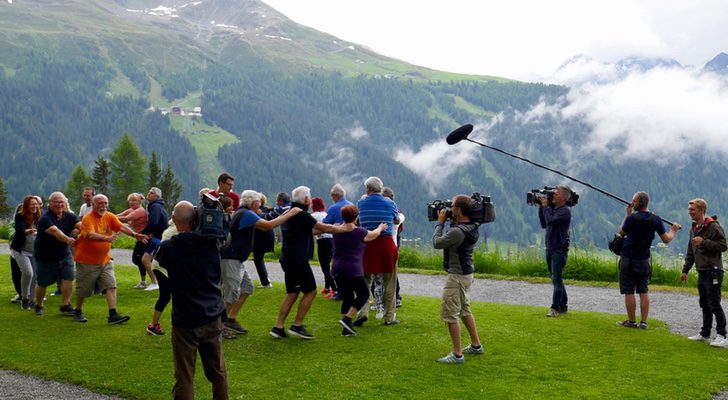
(555, 218)
(156, 224)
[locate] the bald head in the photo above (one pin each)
(100, 204)
(183, 215)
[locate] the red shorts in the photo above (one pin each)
(380, 256)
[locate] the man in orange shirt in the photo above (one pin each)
(99, 229)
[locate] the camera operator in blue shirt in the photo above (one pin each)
(555, 218)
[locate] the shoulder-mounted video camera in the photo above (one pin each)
(482, 210)
(533, 198)
(211, 221)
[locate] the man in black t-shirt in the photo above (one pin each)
(297, 238)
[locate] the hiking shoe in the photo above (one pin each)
(268, 286)
(25, 305)
(348, 326)
(643, 325)
(472, 350)
(392, 322)
(699, 338)
(38, 310)
(78, 317)
(141, 285)
(226, 334)
(346, 333)
(67, 310)
(564, 311)
(300, 331)
(720, 341)
(451, 359)
(552, 313)
(155, 330)
(234, 326)
(360, 321)
(15, 299)
(152, 286)
(278, 333)
(628, 324)
(118, 319)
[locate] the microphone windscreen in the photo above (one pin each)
(459, 134)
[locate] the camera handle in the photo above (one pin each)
(589, 185)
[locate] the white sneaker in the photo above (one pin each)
(720, 341)
(140, 285)
(15, 299)
(152, 286)
(699, 338)
(268, 286)
(380, 315)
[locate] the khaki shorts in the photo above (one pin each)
(455, 301)
(88, 274)
(235, 280)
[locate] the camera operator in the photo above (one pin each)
(707, 242)
(457, 244)
(555, 218)
(634, 259)
(193, 266)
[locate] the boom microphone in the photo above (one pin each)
(459, 134)
(462, 133)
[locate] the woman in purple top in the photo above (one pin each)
(349, 268)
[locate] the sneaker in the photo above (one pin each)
(329, 294)
(699, 338)
(627, 324)
(141, 285)
(472, 350)
(643, 325)
(346, 333)
(155, 330)
(451, 359)
(226, 334)
(38, 310)
(25, 305)
(336, 297)
(392, 322)
(325, 291)
(564, 311)
(720, 341)
(67, 310)
(15, 299)
(552, 313)
(118, 319)
(78, 317)
(398, 304)
(380, 315)
(348, 326)
(268, 286)
(56, 293)
(360, 321)
(234, 326)
(152, 286)
(278, 333)
(300, 331)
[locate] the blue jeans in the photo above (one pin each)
(556, 260)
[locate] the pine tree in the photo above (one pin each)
(127, 171)
(100, 175)
(171, 189)
(74, 186)
(5, 208)
(155, 172)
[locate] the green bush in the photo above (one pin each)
(6, 231)
(124, 242)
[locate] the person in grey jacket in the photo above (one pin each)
(457, 245)
(705, 248)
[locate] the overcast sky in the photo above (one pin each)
(521, 39)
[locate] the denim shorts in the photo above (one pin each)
(50, 272)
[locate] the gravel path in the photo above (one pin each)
(679, 310)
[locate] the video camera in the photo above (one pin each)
(482, 210)
(211, 221)
(533, 198)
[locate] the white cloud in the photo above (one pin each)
(357, 131)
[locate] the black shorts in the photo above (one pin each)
(634, 275)
(298, 276)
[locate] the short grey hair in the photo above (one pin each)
(338, 190)
(565, 192)
(184, 212)
(248, 197)
(57, 194)
(156, 191)
(300, 193)
(99, 196)
(374, 184)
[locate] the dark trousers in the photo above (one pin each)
(709, 284)
(136, 258)
(15, 274)
(325, 250)
(354, 292)
(165, 292)
(259, 261)
(186, 343)
(556, 261)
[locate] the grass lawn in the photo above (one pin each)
(580, 355)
